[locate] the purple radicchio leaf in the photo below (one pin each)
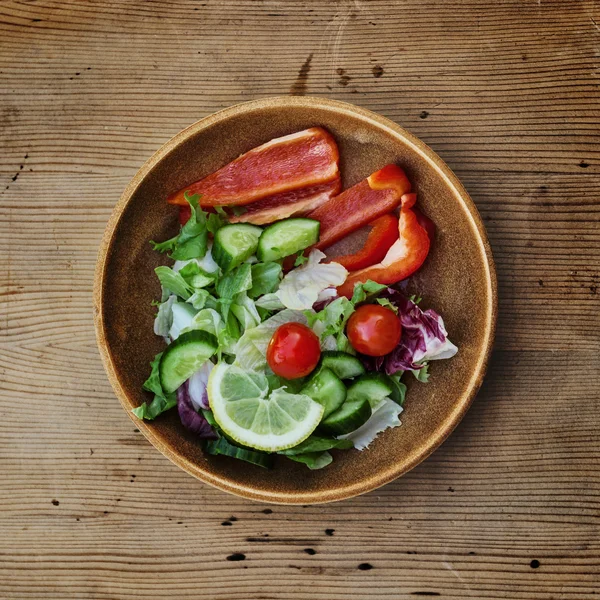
(326, 297)
(191, 419)
(424, 336)
(197, 386)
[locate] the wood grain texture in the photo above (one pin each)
(508, 94)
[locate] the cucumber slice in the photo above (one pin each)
(233, 244)
(184, 357)
(327, 389)
(349, 417)
(344, 365)
(287, 237)
(373, 387)
(222, 446)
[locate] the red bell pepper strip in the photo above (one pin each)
(402, 259)
(185, 212)
(295, 161)
(288, 204)
(373, 197)
(383, 234)
(426, 223)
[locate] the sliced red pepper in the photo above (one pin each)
(185, 212)
(373, 197)
(402, 259)
(425, 222)
(383, 234)
(288, 204)
(302, 159)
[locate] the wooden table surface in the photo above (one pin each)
(508, 93)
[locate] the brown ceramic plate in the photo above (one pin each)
(458, 280)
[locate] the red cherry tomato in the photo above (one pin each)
(293, 351)
(374, 330)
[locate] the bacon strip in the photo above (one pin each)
(304, 159)
(288, 204)
(378, 194)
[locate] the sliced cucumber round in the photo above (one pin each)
(235, 243)
(184, 357)
(344, 365)
(327, 389)
(349, 417)
(287, 237)
(373, 387)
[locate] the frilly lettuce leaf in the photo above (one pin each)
(191, 241)
(385, 415)
(300, 288)
(161, 401)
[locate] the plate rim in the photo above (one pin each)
(379, 478)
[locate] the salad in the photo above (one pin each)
(272, 347)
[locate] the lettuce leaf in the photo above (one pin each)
(195, 276)
(270, 302)
(300, 288)
(313, 460)
(385, 415)
(183, 316)
(174, 282)
(245, 311)
(208, 320)
(265, 278)
(206, 263)
(362, 291)
(192, 239)
(164, 317)
(317, 443)
(161, 401)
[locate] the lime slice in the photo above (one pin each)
(246, 412)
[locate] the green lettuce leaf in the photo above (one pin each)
(192, 239)
(161, 402)
(239, 280)
(245, 311)
(422, 374)
(232, 284)
(385, 302)
(164, 316)
(173, 282)
(313, 460)
(195, 276)
(271, 302)
(159, 405)
(399, 388)
(317, 443)
(265, 278)
(363, 290)
(183, 316)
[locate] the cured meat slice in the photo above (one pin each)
(303, 159)
(288, 204)
(378, 194)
